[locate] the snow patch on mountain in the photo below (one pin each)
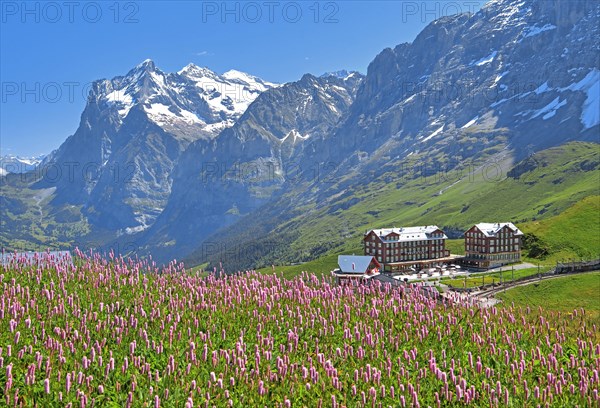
(217, 127)
(499, 78)
(470, 123)
(341, 74)
(161, 114)
(542, 88)
(294, 136)
(590, 110)
(590, 84)
(434, 134)
(533, 31)
(122, 100)
(485, 60)
(550, 110)
(590, 116)
(119, 96)
(249, 80)
(410, 98)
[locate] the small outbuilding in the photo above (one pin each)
(356, 268)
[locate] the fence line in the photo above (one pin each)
(577, 266)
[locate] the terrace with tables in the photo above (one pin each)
(444, 271)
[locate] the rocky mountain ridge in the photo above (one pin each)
(196, 165)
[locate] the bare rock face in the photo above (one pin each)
(221, 180)
(179, 161)
(518, 76)
(118, 163)
(522, 69)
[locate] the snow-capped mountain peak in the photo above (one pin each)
(140, 72)
(193, 71)
(17, 164)
(147, 65)
(194, 96)
(341, 74)
(251, 81)
(234, 74)
(228, 94)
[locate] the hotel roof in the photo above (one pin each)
(492, 229)
(421, 233)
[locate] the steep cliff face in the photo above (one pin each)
(178, 161)
(517, 77)
(524, 70)
(219, 181)
(118, 163)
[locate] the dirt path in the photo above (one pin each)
(43, 194)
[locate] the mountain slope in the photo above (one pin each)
(539, 187)
(17, 164)
(117, 166)
(492, 75)
(471, 92)
(572, 234)
(215, 167)
(218, 181)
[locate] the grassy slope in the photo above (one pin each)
(573, 234)
(546, 185)
(320, 266)
(560, 294)
(28, 222)
(494, 277)
(456, 246)
(554, 185)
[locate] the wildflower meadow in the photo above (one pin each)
(89, 331)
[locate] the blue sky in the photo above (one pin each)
(51, 51)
